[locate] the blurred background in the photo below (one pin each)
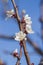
(10, 27)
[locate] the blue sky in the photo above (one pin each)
(10, 27)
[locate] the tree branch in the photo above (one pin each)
(16, 10)
(7, 37)
(26, 53)
(38, 50)
(18, 59)
(18, 19)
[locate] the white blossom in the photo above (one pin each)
(15, 51)
(28, 24)
(20, 36)
(9, 13)
(27, 19)
(29, 29)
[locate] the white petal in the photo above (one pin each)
(26, 15)
(28, 23)
(29, 31)
(8, 15)
(17, 39)
(20, 36)
(12, 10)
(28, 27)
(27, 18)
(7, 11)
(15, 51)
(25, 38)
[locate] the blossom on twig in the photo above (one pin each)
(10, 13)
(15, 53)
(28, 22)
(27, 19)
(20, 36)
(29, 29)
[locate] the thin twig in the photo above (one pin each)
(38, 50)
(26, 53)
(16, 10)
(7, 37)
(18, 59)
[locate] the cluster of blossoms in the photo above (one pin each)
(28, 22)
(10, 13)
(21, 35)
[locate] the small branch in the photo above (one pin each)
(24, 46)
(7, 37)
(18, 59)
(20, 52)
(16, 10)
(38, 50)
(26, 53)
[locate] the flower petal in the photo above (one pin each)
(20, 36)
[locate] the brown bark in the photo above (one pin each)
(24, 46)
(16, 10)
(26, 53)
(19, 57)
